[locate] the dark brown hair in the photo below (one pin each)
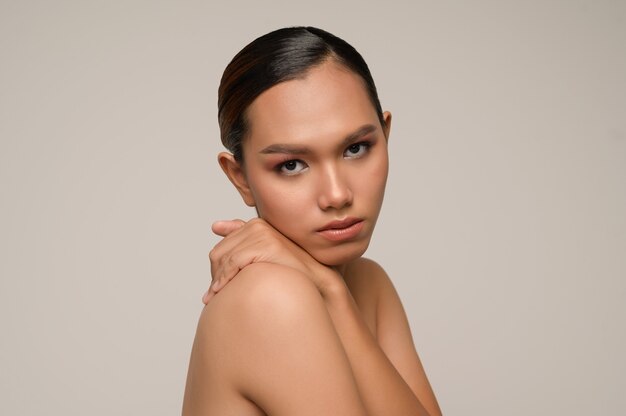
(279, 56)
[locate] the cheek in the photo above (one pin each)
(372, 181)
(280, 202)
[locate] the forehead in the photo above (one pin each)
(330, 102)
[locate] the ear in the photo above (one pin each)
(387, 125)
(237, 176)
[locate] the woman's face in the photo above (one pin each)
(315, 162)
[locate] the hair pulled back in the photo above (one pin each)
(282, 55)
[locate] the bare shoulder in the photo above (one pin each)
(263, 288)
(268, 336)
(368, 266)
(366, 280)
(366, 275)
(259, 299)
(376, 280)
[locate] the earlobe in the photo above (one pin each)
(387, 125)
(235, 173)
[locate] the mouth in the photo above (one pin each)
(341, 230)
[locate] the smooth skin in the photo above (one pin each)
(296, 323)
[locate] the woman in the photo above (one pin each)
(296, 321)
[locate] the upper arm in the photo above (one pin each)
(395, 339)
(280, 346)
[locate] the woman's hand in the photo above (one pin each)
(257, 241)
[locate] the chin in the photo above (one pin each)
(340, 254)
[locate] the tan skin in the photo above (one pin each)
(295, 322)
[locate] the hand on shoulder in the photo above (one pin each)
(262, 285)
(256, 241)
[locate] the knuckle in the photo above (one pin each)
(229, 262)
(258, 224)
(212, 255)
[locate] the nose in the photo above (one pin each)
(334, 191)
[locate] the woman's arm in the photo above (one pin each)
(269, 337)
(387, 368)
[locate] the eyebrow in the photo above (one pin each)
(303, 150)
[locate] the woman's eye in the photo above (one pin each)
(357, 150)
(291, 167)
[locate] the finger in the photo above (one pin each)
(223, 266)
(227, 245)
(212, 291)
(207, 296)
(228, 265)
(237, 241)
(225, 227)
(232, 265)
(224, 260)
(246, 245)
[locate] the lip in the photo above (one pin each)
(341, 230)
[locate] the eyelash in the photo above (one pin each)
(366, 145)
(363, 145)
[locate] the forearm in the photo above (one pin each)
(382, 388)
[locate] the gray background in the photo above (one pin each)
(504, 225)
